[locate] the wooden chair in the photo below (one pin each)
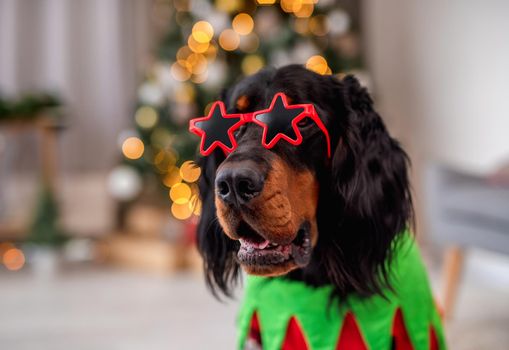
(464, 211)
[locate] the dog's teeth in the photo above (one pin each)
(250, 246)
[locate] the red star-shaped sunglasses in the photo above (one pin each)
(279, 122)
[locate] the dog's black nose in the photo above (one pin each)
(238, 185)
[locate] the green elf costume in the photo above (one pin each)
(278, 313)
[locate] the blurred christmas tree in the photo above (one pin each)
(207, 45)
(45, 229)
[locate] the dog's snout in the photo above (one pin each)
(238, 185)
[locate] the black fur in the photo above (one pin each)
(365, 201)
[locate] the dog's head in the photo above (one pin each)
(328, 218)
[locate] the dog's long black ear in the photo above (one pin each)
(217, 250)
(222, 271)
(370, 180)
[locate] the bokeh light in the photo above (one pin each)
(179, 72)
(196, 46)
(172, 177)
(183, 53)
(189, 171)
(146, 117)
(301, 25)
(202, 32)
(211, 52)
(228, 5)
(181, 211)
(266, 2)
(252, 64)
(180, 193)
(229, 40)
(200, 78)
(317, 64)
(319, 25)
(304, 10)
(13, 259)
(243, 24)
(164, 161)
(133, 148)
(198, 63)
(185, 93)
(287, 5)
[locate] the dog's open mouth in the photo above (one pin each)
(258, 251)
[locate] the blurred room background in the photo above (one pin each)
(98, 196)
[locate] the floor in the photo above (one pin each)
(90, 307)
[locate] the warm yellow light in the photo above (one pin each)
(211, 52)
(202, 32)
(164, 160)
(179, 72)
(228, 5)
(318, 25)
(243, 24)
(185, 64)
(159, 158)
(181, 211)
(133, 148)
(317, 64)
(183, 53)
(200, 78)
(185, 93)
(13, 259)
(229, 40)
(301, 25)
(198, 63)
(172, 177)
(180, 193)
(146, 117)
(189, 171)
(296, 5)
(252, 64)
(196, 46)
(266, 2)
(287, 5)
(305, 10)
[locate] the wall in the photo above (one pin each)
(88, 51)
(441, 74)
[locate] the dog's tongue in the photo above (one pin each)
(254, 245)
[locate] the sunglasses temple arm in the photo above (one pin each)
(314, 115)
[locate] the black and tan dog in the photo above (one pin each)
(292, 211)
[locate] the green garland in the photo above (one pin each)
(27, 107)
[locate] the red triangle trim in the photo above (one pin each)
(433, 340)
(294, 339)
(350, 337)
(400, 334)
(255, 332)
